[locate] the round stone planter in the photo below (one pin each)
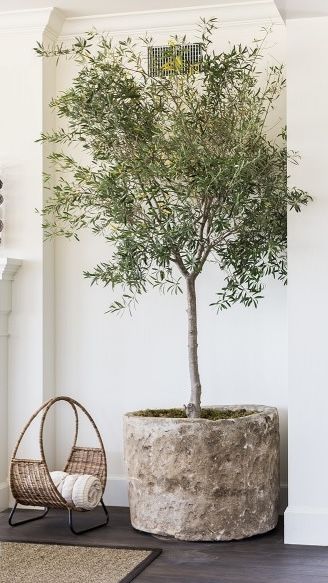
(195, 479)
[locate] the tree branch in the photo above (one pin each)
(178, 261)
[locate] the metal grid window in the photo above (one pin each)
(166, 60)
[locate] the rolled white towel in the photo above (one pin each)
(68, 486)
(83, 490)
(58, 479)
(87, 492)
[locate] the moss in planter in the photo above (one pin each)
(207, 413)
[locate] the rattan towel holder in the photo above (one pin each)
(30, 481)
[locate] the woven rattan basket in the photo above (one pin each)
(30, 481)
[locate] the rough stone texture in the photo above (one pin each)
(195, 479)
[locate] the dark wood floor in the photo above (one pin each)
(263, 559)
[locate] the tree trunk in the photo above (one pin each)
(193, 408)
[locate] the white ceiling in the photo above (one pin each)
(302, 8)
(74, 8)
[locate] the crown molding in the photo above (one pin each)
(48, 21)
(55, 24)
(8, 268)
(281, 5)
(52, 23)
(230, 13)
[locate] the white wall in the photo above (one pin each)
(22, 119)
(114, 365)
(5, 307)
(21, 159)
(8, 269)
(306, 519)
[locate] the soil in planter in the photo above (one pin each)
(206, 413)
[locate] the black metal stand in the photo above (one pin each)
(82, 531)
(27, 520)
(70, 519)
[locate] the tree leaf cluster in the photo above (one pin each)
(179, 169)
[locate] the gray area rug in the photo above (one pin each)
(47, 563)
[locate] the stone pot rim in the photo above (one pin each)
(259, 410)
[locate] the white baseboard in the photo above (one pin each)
(306, 526)
(4, 496)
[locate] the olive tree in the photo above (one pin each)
(179, 169)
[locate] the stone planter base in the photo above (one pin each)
(195, 479)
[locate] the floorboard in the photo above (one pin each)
(262, 559)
